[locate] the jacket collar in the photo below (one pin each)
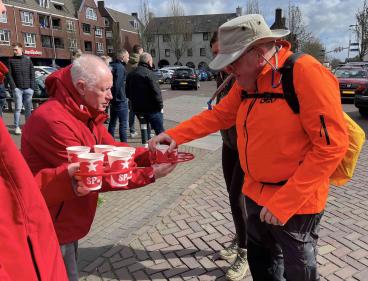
(146, 65)
(59, 86)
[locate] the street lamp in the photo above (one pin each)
(350, 29)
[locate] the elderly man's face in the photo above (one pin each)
(2, 7)
(98, 96)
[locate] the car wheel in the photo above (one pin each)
(363, 112)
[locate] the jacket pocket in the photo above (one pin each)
(324, 129)
(31, 250)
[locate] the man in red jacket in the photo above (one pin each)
(75, 115)
(28, 246)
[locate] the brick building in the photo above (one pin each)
(122, 30)
(50, 30)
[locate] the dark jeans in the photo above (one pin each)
(2, 98)
(119, 112)
(234, 177)
(131, 119)
(154, 120)
(282, 252)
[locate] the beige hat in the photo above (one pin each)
(241, 33)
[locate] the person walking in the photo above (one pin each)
(145, 95)
(119, 104)
(234, 178)
(22, 84)
(287, 158)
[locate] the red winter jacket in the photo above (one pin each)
(60, 122)
(3, 71)
(28, 244)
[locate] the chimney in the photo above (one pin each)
(239, 11)
(101, 4)
(278, 15)
(279, 20)
(135, 15)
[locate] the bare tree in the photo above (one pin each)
(298, 31)
(252, 7)
(180, 30)
(335, 63)
(147, 34)
(314, 48)
(362, 30)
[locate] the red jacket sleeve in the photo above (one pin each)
(222, 116)
(3, 69)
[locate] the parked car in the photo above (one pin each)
(352, 79)
(159, 75)
(202, 75)
(185, 77)
(167, 74)
(361, 101)
(45, 70)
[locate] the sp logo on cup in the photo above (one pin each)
(122, 179)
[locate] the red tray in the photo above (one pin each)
(182, 157)
(106, 172)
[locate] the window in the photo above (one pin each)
(202, 52)
(166, 38)
(3, 18)
(206, 36)
(29, 39)
(178, 53)
(88, 46)
(134, 23)
(86, 28)
(91, 14)
(190, 52)
(44, 3)
(99, 47)
(26, 18)
(167, 52)
(108, 34)
(44, 21)
(107, 22)
(58, 7)
(153, 53)
(98, 32)
(188, 37)
(4, 37)
(73, 44)
(56, 23)
(59, 43)
(46, 41)
(70, 25)
(110, 49)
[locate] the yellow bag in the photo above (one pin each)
(344, 172)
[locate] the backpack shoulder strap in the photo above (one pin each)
(287, 82)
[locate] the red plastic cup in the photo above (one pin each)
(120, 161)
(162, 155)
(104, 149)
(74, 151)
(91, 163)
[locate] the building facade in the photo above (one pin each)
(122, 30)
(51, 30)
(199, 30)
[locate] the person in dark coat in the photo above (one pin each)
(144, 93)
(119, 104)
(22, 84)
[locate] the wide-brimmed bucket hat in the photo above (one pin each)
(240, 34)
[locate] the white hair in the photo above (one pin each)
(145, 57)
(87, 68)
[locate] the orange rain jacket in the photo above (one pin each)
(275, 144)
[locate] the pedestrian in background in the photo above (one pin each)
(145, 95)
(133, 64)
(119, 104)
(22, 84)
(234, 178)
(287, 158)
(4, 74)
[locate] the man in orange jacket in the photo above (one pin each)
(287, 158)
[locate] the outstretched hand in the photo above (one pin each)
(164, 139)
(267, 217)
(79, 188)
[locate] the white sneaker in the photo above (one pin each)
(239, 268)
(133, 135)
(17, 131)
(231, 251)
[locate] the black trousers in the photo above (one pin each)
(282, 252)
(234, 178)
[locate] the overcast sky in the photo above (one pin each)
(328, 20)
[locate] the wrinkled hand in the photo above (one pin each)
(267, 217)
(79, 189)
(162, 170)
(161, 138)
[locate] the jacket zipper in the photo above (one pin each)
(324, 127)
(30, 246)
(90, 126)
(246, 133)
(59, 211)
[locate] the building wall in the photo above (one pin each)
(196, 44)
